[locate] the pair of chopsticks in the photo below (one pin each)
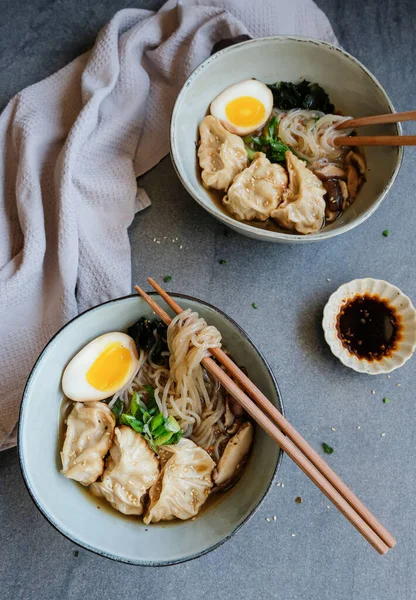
(285, 435)
(380, 140)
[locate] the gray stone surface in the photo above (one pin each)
(326, 559)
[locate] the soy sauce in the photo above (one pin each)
(369, 327)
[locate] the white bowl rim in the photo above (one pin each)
(277, 235)
(85, 545)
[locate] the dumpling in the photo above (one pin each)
(221, 154)
(184, 483)
(303, 207)
(89, 433)
(256, 191)
(131, 470)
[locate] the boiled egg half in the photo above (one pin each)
(101, 368)
(243, 107)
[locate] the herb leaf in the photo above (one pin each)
(117, 408)
(129, 420)
(327, 449)
(167, 278)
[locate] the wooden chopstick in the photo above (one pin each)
(399, 117)
(346, 507)
(288, 429)
(375, 140)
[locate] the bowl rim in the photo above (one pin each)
(264, 234)
(42, 509)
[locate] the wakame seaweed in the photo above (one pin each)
(311, 96)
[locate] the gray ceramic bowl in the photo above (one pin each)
(351, 87)
(69, 508)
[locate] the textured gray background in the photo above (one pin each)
(327, 559)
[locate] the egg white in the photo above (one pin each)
(74, 381)
(250, 87)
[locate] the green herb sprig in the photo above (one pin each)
(146, 419)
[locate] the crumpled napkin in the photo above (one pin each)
(71, 147)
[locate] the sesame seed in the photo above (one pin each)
(328, 507)
(293, 534)
(358, 426)
(274, 518)
(157, 241)
(333, 429)
(398, 384)
(383, 434)
(278, 484)
(328, 279)
(283, 485)
(180, 247)
(388, 376)
(268, 519)
(373, 391)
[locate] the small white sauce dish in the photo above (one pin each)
(394, 298)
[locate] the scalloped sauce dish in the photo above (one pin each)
(370, 325)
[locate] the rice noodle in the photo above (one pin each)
(185, 390)
(311, 133)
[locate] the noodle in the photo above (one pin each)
(185, 390)
(310, 133)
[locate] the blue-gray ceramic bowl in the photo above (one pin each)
(68, 507)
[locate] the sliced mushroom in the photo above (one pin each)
(235, 407)
(330, 172)
(353, 181)
(334, 199)
(345, 197)
(358, 160)
(234, 454)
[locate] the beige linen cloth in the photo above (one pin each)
(71, 147)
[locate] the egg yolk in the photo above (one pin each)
(110, 369)
(245, 111)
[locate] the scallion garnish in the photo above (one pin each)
(145, 418)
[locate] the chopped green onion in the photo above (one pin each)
(167, 278)
(271, 128)
(135, 424)
(250, 154)
(146, 416)
(163, 439)
(386, 233)
(135, 405)
(254, 305)
(327, 449)
(386, 400)
(156, 422)
(172, 424)
(117, 408)
(222, 261)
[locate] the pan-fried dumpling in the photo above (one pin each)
(221, 154)
(303, 207)
(131, 470)
(256, 191)
(89, 433)
(183, 485)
